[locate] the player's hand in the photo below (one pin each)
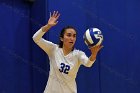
(95, 50)
(53, 18)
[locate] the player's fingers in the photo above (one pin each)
(96, 48)
(101, 46)
(58, 15)
(50, 14)
(56, 22)
(53, 14)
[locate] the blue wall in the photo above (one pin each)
(40, 68)
(24, 66)
(15, 73)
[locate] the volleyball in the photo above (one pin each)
(93, 37)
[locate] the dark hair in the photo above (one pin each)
(62, 35)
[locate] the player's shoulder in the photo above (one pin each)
(77, 51)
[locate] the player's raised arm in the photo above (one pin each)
(53, 20)
(47, 46)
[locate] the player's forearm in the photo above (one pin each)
(92, 58)
(46, 28)
(90, 62)
(38, 35)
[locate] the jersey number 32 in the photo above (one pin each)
(64, 68)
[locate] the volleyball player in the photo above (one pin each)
(65, 60)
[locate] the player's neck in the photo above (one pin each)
(66, 51)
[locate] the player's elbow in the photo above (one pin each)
(34, 39)
(89, 66)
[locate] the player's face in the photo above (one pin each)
(69, 38)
